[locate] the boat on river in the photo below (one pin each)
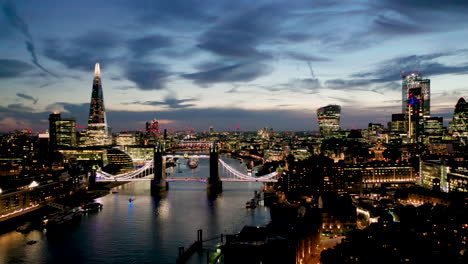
(90, 207)
(61, 218)
(192, 163)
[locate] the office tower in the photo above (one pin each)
(433, 126)
(211, 130)
(398, 124)
(414, 113)
(97, 131)
(62, 132)
(329, 120)
(459, 124)
(415, 81)
(151, 132)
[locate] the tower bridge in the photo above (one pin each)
(155, 171)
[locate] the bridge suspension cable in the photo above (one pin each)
(149, 166)
(240, 175)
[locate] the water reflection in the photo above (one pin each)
(147, 230)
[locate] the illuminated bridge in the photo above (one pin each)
(146, 173)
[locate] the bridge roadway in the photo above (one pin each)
(168, 179)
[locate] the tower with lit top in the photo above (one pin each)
(97, 131)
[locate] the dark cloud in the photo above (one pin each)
(241, 72)
(352, 84)
(144, 46)
(240, 35)
(304, 57)
(390, 70)
(147, 76)
(27, 97)
(424, 6)
(170, 102)
(83, 52)
(17, 22)
(387, 25)
(98, 41)
(19, 107)
(13, 68)
(345, 100)
(180, 14)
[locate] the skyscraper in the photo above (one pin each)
(329, 120)
(151, 132)
(415, 81)
(97, 131)
(62, 131)
(415, 103)
(459, 124)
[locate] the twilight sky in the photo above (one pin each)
(227, 63)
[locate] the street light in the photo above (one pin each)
(1, 190)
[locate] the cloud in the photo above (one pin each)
(19, 107)
(176, 14)
(142, 47)
(241, 72)
(240, 35)
(390, 70)
(82, 52)
(304, 57)
(170, 102)
(17, 22)
(27, 97)
(147, 76)
(352, 84)
(13, 68)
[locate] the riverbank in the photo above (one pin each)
(75, 199)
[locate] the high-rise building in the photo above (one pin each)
(459, 125)
(97, 131)
(414, 113)
(62, 131)
(329, 120)
(398, 124)
(433, 126)
(415, 81)
(151, 132)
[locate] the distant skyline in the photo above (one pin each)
(247, 64)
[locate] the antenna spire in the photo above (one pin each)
(97, 70)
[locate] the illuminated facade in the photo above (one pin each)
(416, 103)
(151, 132)
(62, 132)
(433, 126)
(329, 120)
(97, 131)
(398, 124)
(459, 124)
(415, 81)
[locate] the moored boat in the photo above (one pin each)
(91, 207)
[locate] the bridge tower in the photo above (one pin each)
(214, 182)
(159, 184)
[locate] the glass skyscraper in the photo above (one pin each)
(415, 81)
(329, 120)
(62, 131)
(459, 124)
(416, 103)
(97, 131)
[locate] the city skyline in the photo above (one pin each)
(223, 64)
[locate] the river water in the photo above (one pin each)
(148, 230)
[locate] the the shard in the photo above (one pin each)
(97, 131)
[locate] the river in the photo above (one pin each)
(148, 230)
